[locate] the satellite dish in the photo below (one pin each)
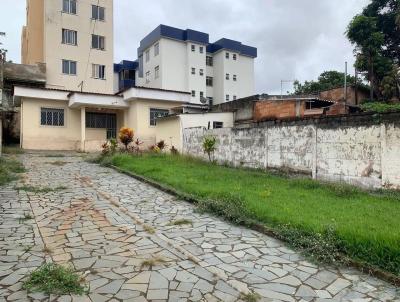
(203, 100)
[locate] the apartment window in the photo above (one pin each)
(234, 57)
(210, 100)
(209, 61)
(201, 72)
(193, 47)
(148, 77)
(201, 49)
(157, 72)
(227, 76)
(234, 77)
(217, 125)
(147, 55)
(193, 93)
(69, 7)
(227, 97)
(234, 97)
(69, 67)
(98, 13)
(209, 81)
(156, 49)
(157, 113)
(69, 36)
(193, 70)
(51, 117)
(201, 95)
(99, 71)
(227, 55)
(98, 42)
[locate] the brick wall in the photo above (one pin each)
(286, 109)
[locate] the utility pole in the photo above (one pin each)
(345, 82)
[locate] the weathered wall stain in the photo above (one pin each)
(358, 150)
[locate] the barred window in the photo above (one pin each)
(156, 113)
(69, 6)
(102, 121)
(51, 117)
(69, 37)
(98, 13)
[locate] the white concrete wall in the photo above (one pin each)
(366, 155)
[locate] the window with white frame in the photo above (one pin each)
(201, 95)
(227, 55)
(209, 81)
(156, 72)
(201, 49)
(234, 57)
(227, 97)
(234, 77)
(227, 76)
(156, 49)
(51, 117)
(148, 77)
(99, 71)
(193, 70)
(69, 7)
(157, 113)
(147, 55)
(193, 93)
(193, 47)
(201, 72)
(209, 61)
(98, 13)
(69, 37)
(234, 97)
(69, 67)
(98, 42)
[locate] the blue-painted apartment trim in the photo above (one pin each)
(124, 84)
(197, 37)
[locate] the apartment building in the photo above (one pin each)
(184, 60)
(75, 41)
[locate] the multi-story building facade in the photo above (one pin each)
(185, 60)
(75, 41)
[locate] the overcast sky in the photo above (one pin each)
(296, 39)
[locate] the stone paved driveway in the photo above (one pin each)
(110, 227)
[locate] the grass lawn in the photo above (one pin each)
(322, 219)
(9, 168)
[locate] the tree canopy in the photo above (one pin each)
(375, 34)
(327, 80)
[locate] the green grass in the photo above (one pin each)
(9, 169)
(324, 220)
(54, 279)
(12, 149)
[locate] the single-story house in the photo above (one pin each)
(170, 128)
(70, 120)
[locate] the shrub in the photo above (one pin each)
(126, 136)
(161, 145)
(137, 143)
(174, 151)
(154, 149)
(209, 146)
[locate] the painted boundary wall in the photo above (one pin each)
(362, 150)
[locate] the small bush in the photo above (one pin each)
(209, 146)
(380, 107)
(126, 136)
(54, 279)
(174, 151)
(161, 145)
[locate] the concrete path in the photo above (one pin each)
(117, 232)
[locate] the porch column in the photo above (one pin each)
(83, 128)
(126, 118)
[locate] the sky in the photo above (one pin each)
(296, 39)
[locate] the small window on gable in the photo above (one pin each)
(201, 49)
(227, 97)
(193, 47)
(227, 55)
(193, 70)
(193, 93)
(234, 97)
(234, 77)
(234, 57)
(227, 76)
(201, 72)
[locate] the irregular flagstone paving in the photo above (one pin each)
(117, 232)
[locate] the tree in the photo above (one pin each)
(327, 80)
(375, 33)
(209, 146)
